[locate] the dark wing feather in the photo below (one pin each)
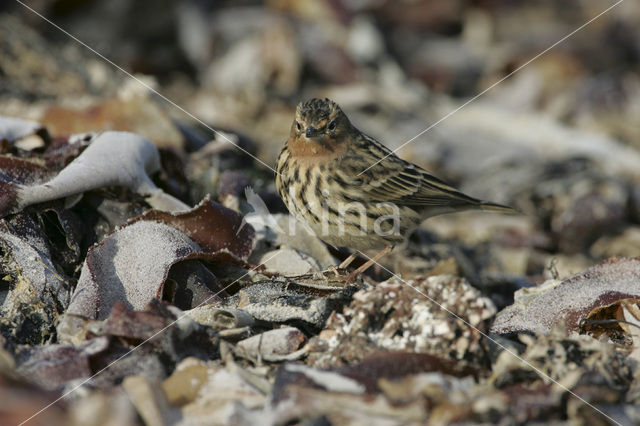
(398, 181)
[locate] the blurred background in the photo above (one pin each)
(559, 139)
(517, 102)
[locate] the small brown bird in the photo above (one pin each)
(354, 192)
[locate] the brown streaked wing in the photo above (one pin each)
(398, 181)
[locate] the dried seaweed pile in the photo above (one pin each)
(150, 274)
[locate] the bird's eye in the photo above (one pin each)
(332, 126)
(298, 126)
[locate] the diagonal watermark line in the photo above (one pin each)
(75, 388)
(494, 84)
(524, 361)
(145, 85)
(257, 159)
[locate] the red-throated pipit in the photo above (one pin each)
(320, 178)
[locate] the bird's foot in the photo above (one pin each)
(335, 270)
(352, 278)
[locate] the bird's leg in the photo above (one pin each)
(348, 260)
(352, 276)
(336, 269)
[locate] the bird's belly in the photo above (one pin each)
(362, 231)
(330, 212)
(355, 241)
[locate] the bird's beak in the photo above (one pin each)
(311, 132)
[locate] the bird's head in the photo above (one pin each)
(320, 120)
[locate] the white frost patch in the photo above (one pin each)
(128, 266)
(13, 129)
(112, 159)
(333, 382)
(540, 308)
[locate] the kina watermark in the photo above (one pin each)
(319, 218)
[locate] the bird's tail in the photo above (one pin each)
(495, 207)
